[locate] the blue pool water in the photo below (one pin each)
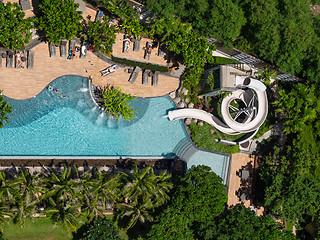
(68, 123)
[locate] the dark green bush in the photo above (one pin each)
(98, 230)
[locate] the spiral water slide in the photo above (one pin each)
(255, 112)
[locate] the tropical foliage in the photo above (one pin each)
(182, 40)
(119, 8)
(100, 35)
(242, 223)
(59, 19)
(62, 192)
(117, 103)
(197, 200)
(142, 191)
(208, 17)
(132, 27)
(70, 198)
(5, 109)
(14, 29)
(97, 230)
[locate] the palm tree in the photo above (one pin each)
(30, 189)
(63, 197)
(97, 192)
(133, 213)
(8, 189)
(142, 191)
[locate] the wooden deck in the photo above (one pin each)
(26, 83)
(240, 160)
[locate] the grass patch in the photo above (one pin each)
(223, 60)
(204, 139)
(149, 66)
(37, 229)
(263, 129)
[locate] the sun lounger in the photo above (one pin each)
(161, 49)
(30, 59)
(145, 77)
(2, 55)
(83, 51)
(63, 48)
(109, 70)
(52, 50)
(155, 78)
(100, 16)
(72, 44)
(136, 44)
(134, 74)
(9, 62)
(25, 4)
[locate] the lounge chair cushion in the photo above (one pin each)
(30, 60)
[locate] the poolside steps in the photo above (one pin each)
(185, 149)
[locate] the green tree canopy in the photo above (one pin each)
(98, 230)
(100, 35)
(199, 197)
(241, 223)
(14, 29)
(5, 109)
(214, 18)
(59, 19)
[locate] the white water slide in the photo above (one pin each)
(246, 119)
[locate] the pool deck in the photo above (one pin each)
(26, 83)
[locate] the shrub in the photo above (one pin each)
(5, 108)
(117, 103)
(98, 230)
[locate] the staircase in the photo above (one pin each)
(185, 149)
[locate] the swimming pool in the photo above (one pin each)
(68, 123)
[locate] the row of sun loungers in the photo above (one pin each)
(145, 76)
(12, 59)
(147, 49)
(71, 51)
